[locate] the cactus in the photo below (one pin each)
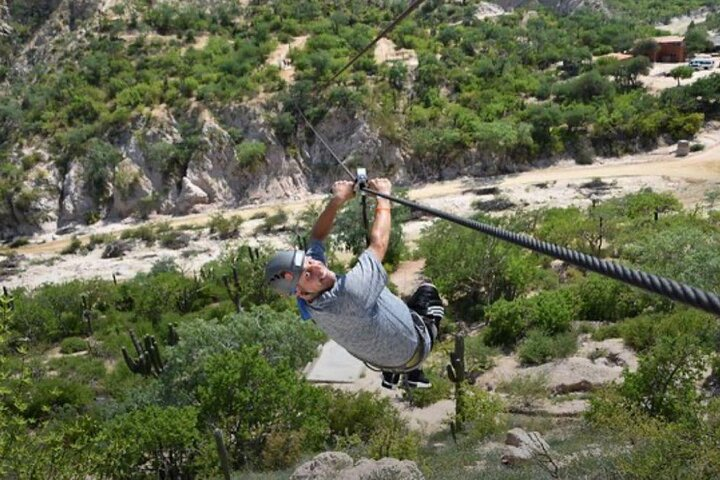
(456, 374)
(222, 452)
(148, 361)
(7, 310)
(88, 312)
(173, 338)
(232, 282)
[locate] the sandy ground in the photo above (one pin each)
(658, 80)
(279, 57)
(387, 51)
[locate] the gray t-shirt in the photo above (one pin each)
(362, 315)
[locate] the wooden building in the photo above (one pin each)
(671, 49)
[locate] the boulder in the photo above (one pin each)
(327, 465)
(522, 446)
(190, 195)
(333, 465)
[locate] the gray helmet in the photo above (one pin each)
(291, 261)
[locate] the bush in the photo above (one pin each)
(554, 310)
(250, 154)
(358, 413)
(528, 389)
(224, 227)
(73, 247)
(538, 347)
(152, 441)
(604, 299)
(73, 345)
(283, 337)
(483, 270)
(484, 412)
(507, 322)
(48, 395)
(240, 399)
(664, 384)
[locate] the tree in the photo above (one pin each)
(647, 47)
(697, 40)
(681, 72)
(254, 403)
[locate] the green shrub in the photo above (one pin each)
(604, 299)
(538, 347)
(554, 310)
(358, 413)
(73, 247)
(224, 227)
(149, 441)
(394, 439)
(664, 384)
(507, 322)
(607, 331)
(73, 345)
(250, 153)
(283, 337)
(478, 356)
(527, 389)
(483, 270)
(238, 397)
(274, 222)
(484, 411)
(50, 394)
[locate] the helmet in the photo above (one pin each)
(291, 261)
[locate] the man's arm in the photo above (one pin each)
(380, 231)
(342, 192)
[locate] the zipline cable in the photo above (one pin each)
(380, 35)
(653, 283)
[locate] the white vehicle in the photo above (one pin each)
(702, 63)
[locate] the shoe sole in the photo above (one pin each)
(389, 386)
(419, 385)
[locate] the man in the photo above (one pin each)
(356, 309)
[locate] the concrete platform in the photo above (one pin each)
(334, 365)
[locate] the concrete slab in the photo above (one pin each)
(335, 365)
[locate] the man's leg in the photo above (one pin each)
(427, 303)
(417, 379)
(390, 380)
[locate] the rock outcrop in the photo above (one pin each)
(334, 465)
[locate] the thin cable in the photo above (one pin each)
(653, 283)
(367, 47)
(324, 142)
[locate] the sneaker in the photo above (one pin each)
(417, 379)
(390, 380)
(427, 302)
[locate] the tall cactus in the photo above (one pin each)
(232, 281)
(456, 374)
(148, 361)
(173, 338)
(222, 452)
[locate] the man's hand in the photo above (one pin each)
(380, 185)
(343, 191)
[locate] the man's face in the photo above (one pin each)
(314, 279)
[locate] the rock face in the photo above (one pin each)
(334, 465)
